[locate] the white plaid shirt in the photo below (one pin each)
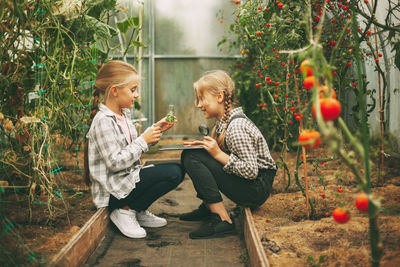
(248, 148)
(114, 164)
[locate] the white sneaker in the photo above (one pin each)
(148, 219)
(126, 222)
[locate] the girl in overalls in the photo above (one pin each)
(235, 161)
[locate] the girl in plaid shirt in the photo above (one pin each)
(235, 160)
(113, 150)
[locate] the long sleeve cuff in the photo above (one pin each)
(142, 143)
(229, 165)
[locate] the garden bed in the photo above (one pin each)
(290, 239)
(44, 235)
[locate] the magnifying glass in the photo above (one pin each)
(204, 130)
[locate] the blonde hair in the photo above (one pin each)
(214, 82)
(114, 73)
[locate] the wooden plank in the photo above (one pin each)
(83, 243)
(253, 242)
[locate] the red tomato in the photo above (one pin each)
(310, 139)
(305, 68)
(330, 109)
(309, 82)
(362, 203)
(341, 215)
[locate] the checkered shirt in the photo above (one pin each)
(247, 146)
(114, 164)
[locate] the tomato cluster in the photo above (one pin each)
(330, 107)
(343, 216)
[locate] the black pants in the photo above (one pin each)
(209, 179)
(154, 183)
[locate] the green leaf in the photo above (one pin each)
(102, 30)
(123, 26)
(137, 105)
(321, 258)
(311, 260)
(221, 42)
(97, 7)
(136, 43)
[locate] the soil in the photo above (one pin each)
(33, 229)
(290, 238)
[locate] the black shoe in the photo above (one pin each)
(199, 214)
(213, 228)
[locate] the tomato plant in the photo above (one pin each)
(327, 38)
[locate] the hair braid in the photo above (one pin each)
(228, 107)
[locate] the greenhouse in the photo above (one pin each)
(200, 133)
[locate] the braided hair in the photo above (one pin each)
(114, 73)
(214, 82)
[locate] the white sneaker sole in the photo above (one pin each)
(116, 222)
(152, 224)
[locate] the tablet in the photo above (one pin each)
(177, 147)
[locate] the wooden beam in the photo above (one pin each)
(253, 242)
(83, 243)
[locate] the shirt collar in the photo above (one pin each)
(108, 112)
(233, 112)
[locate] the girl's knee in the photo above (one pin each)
(192, 155)
(177, 173)
(185, 155)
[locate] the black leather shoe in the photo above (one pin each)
(213, 228)
(199, 214)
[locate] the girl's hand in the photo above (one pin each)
(164, 124)
(196, 143)
(211, 146)
(208, 143)
(152, 135)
